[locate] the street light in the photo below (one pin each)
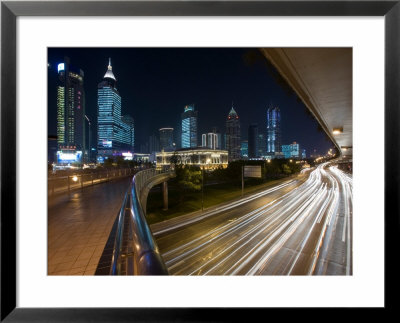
(90, 136)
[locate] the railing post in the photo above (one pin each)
(68, 183)
(82, 181)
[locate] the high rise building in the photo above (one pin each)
(154, 144)
(71, 137)
(113, 135)
(292, 151)
(273, 130)
(129, 137)
(253, 141)
(167, 139)
(244, 149)
(261, 145)
(189, 127)
(233, 135)
(209, 140)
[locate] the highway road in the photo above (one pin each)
(300, 227)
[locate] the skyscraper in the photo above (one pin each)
(233, 135)
(167, 139)
(189, 127)
(154, 144)
(129, 136)
(209, 140)
(244, 149)
(261, 145)
(70, 109)
(253, 141)
(273, 130)
(113, 135)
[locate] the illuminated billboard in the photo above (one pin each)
(67, 157)
(127, 155)
(106, 143)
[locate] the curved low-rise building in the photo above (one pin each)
(202, 157)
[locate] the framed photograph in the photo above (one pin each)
(220, 136)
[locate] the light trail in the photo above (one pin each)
(223, 208)
(301, 231)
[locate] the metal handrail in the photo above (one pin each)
(62, 184)
(146, 256)
(115, 262)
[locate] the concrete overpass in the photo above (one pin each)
(322, 78)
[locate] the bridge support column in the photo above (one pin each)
(165, 195)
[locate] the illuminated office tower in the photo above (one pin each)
(273, 130)
(70, 110)
(292, 151)
(189, 127)
(113, 135)
(244, 149)
(129, 137)
(232, 141)
(167, 139)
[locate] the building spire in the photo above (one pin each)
(109, 74)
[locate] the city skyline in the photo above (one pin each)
(296, 125)
(235, 180)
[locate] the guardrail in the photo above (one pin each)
(67, 183)
(135, 250)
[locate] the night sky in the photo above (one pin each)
(156, 83)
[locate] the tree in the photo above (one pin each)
(286, 169)
(189, 180)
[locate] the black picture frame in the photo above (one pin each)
(10, 10)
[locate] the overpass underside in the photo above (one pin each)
(322, 79)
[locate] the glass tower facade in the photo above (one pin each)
(232, 139)
(273, 130)
(167, 139)
(114, 132)
(189, 127)
(129, 137)
(292, 151)
(70, 108)
(244, 149)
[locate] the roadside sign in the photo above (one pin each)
(252, 171)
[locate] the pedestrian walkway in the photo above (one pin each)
(79, 225)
